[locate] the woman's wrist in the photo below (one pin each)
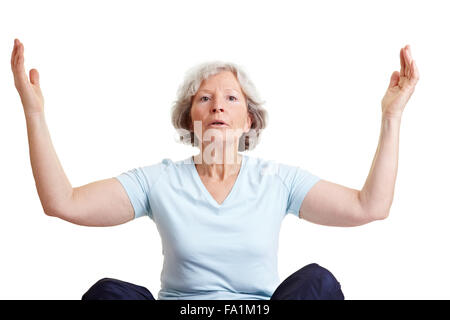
(392, 117)
(34, 115)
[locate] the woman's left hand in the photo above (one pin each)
(401, 86)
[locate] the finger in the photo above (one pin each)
(394, 79)
(17, 58)
(402, 63)
(413, 66)
(13, 54)
(34, 77)
(410, 61)
(17, 54)
(19, 65)
(407, 62)
(415, 72)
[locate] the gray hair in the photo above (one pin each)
(181, 109)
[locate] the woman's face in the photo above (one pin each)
(220, 97)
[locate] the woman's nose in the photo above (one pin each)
(216, 109)
(217, 106)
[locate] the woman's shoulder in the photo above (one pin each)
(265, 166)
(265, 162)
(168, 162)
(169, 166)
(177, 164)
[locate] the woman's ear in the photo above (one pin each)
(249, 122)
(191, 127)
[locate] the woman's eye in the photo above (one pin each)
(203, 99)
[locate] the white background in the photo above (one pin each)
(109, 72)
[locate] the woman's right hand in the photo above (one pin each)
(29, 91)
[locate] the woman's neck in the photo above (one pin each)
(218, 166)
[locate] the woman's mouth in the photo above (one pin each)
(217, 124)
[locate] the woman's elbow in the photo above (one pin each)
(50, 212)
(378, 215)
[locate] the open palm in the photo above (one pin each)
(29, 90)
(401, 86)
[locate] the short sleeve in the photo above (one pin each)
(298, 182)
(138, 183)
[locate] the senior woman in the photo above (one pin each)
(218, 212)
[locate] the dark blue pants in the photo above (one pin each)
(311, 282)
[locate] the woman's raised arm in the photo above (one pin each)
(102, 203)
(331, 204)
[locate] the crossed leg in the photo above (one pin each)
(312, 282)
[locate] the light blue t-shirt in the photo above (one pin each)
(211, 251)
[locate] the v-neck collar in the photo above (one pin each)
(207, 193)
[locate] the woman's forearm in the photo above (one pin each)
(378, 192)
(52, 185)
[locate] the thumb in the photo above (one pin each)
(395, 77)
(34, 77)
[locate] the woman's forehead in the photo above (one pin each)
(224, 81)
(225, 89)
